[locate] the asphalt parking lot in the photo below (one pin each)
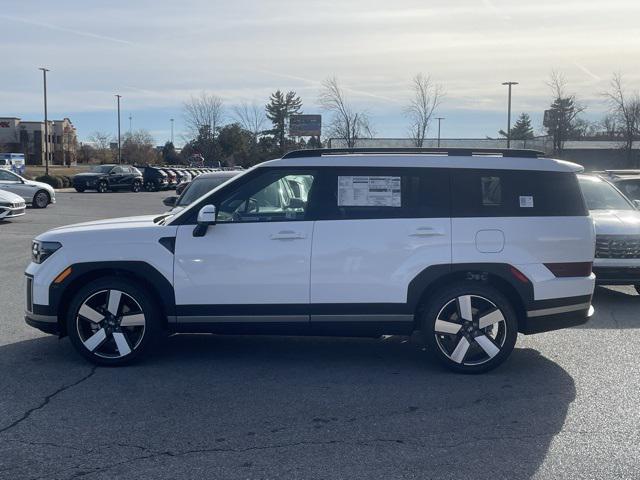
(566, 405)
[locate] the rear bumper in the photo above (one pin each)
(617, 275)
(547, 315)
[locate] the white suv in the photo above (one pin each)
(468, 247)
(617, 221)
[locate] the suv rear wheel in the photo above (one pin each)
(113, 321)
(470, 327)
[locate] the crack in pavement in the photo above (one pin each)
(47, 399)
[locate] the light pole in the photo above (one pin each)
(171, 120)
(509, 113)
(439, 120)
(46, 122)
(119, 149)
(130, 123)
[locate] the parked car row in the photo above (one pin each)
(104, 178)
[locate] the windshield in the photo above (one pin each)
(102, 168)
(198, 188)
(600, 195)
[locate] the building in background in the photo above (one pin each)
(27, 137)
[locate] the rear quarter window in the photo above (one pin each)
(515, 193)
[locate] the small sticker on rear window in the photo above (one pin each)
(526, 201)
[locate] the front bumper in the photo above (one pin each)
(13, 212)
(617, 275)
(44, 323)
(547, 315)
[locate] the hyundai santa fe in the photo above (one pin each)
(467, 247)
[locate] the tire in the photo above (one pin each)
(80, 189)
(95, 325)
(103, 187)
(136, 187)
(461, 343)
(41, 199)
(150, 187)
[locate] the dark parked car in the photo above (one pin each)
(155, 179)
(103, 178)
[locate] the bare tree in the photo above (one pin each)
(251, 118)
(346, 124)
(427, 96)
(625, 107)
(102, 144)
(560, 120)
(204, 112)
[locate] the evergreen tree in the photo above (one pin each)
(522, 129)
(279, 108)
(169, 155)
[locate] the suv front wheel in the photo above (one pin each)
(113, 321)
(470, 327)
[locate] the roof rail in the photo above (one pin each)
(452, 152)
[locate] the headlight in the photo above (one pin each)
(40, 251)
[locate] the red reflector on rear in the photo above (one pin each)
(574, 269)
(519, 275)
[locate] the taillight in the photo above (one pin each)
(574, 269)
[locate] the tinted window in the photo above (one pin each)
(515, 193)
(361, 193)
(266, 198)
(630, 188)
(8, 176)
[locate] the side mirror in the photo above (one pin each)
(170, 201)
(636, 203)
(206, 217)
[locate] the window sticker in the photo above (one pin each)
(526, 201)
(368, 191)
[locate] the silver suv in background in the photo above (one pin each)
(202, 184)
(617, 222)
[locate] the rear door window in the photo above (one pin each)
(362, 193)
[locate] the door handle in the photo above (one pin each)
(426, 232)
(287, 235)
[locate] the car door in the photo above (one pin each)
(14, 184)
(378, 229)
(116, 177)
(254, 264)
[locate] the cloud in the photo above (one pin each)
(66, 30)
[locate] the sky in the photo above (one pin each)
(157, 54)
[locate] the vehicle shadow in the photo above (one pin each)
(274, 407)
(614, 308)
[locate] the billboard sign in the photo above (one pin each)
(305, 125)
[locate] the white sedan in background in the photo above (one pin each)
(36, 194)
(11, 205)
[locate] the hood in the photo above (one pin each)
(112, 223)
(10, 197)
(42, 185)
(616, 222)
